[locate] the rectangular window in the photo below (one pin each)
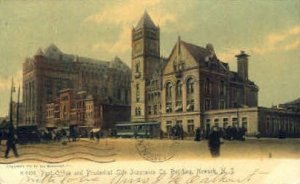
(169, 107)
(234, 121)
(191, 126)
(169, 126)
(149, 110)
(225, 122)
(179, 122)
(207, 104)
(244, 122)
(216, 122)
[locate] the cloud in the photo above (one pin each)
(284, 40)
(293, 45)
(228, 55)
(122, 44)
(129, 12)
(123, 17)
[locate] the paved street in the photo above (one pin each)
(110, 150)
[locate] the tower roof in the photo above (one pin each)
(242, 54)
(145, 21)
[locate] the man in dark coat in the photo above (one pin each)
(97, 136)
(214, 142)
(198, 134)
(11, 143)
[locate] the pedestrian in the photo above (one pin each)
(214, 142)
(97, 136)
(1, 135)
(181, 132)
(91, 135)
(198, 134)
(11, 143)
(161, 134)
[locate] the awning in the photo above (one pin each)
(95, 130)
(189, 107)
(178, 108)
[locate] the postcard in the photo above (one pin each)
(151, 91)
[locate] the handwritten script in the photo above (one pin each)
(133, 176)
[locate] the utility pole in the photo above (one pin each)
(18, 106)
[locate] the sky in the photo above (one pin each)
(267, 30)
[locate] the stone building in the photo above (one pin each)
(180, 89)
(51, 70)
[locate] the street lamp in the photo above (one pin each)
(12, 90)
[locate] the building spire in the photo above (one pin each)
(145, 21)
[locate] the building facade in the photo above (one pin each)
(51, 70)
(259, 121)
(84, 110)
(180, 89)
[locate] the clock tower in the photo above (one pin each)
(145, 59)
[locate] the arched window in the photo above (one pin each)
(178, 96)
(190, 94)
(178, 89)
(190, 86)
(169, 90)
(169, 97)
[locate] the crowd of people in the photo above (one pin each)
(95, 135)
(176, 132)
(227, 133)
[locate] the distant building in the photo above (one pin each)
(183, 87)
(259, 121)
(85, 111)
(50, 71)
(292, 105)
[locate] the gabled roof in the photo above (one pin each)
(204, 55)
(199, 53)
(145, 21)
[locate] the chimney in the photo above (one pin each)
(242, 65)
